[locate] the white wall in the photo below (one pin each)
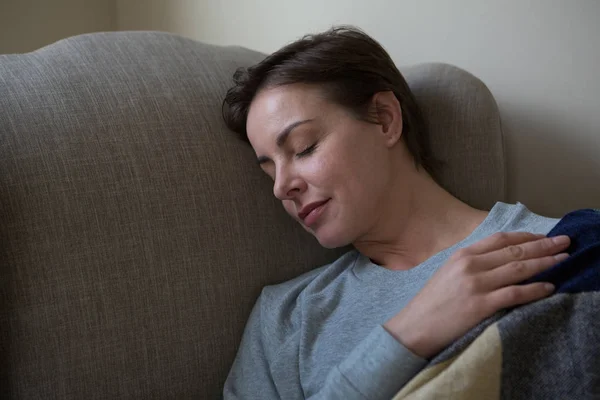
(540, 58)
(26, 25)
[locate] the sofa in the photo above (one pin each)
(137, 231)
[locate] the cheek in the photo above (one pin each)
(322, 171)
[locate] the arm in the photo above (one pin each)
(475, 283)
(376, 369)
(250, 376)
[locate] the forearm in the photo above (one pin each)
(376, 369)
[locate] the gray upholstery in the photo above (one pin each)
(136, 232)
(465, 131)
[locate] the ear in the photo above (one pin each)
(389, 116)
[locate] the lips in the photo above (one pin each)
(309, 209)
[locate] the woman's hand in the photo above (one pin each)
(472, 285)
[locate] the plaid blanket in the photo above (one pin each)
(549, 349)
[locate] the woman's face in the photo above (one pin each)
(330, 169)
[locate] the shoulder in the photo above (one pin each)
(281, 304)
(517, 217)
(312, 280)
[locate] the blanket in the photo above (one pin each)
(549, 349)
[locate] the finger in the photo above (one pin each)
(500, 240)
(518, 271)
(515, 295)
(523, 251)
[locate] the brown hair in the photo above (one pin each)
(350, 66)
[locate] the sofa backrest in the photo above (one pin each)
(136, 231)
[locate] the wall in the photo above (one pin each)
(540, 58)
(26, 25)
(180, 16)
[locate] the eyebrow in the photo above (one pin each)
(282, 137)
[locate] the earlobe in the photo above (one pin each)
(389, 115)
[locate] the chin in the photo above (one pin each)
(331, 240)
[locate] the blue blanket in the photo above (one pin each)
(580, 272)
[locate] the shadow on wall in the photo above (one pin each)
(552, 171)
(28, 25)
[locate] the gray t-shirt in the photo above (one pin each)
(321, 335)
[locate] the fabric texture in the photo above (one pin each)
(579, 272)
(135, 232)
(320, 336)
(543, 350)
(454, 379)
(465, 130)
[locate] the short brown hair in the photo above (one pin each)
(351, 67)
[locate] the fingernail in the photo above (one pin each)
(560, 240)
(561, 257)
(549, 287)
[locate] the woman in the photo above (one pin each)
(334, 124)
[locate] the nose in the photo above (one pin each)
(288, 184)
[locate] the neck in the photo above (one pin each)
(415, 225)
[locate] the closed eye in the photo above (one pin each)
(307, 151)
